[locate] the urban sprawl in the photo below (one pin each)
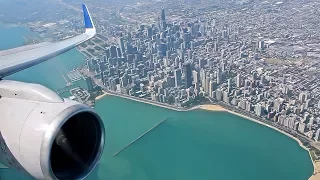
(260, 59)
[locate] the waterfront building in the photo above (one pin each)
(187, 75)
(317, 137)
(177, 76)
(89, 84)
(259, 109)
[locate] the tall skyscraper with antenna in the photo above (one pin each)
(163, 22)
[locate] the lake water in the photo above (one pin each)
(189, 145)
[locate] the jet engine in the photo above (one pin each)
(46, 136)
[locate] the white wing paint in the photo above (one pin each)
(17, 59)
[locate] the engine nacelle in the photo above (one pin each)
(46, 136)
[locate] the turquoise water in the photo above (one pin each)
(194, 145)
(189, 145)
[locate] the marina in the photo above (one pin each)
(75, 76)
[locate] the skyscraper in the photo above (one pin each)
(302, 97)
(187, 75)
(218, 77)
(89, 84)
(259, 110)
(207, 83)
(163, 23)
(113, 51)
(254, 76)
(177, 77)
(195, 75)
(317, 135)
(163, 15)
(238, 81)
(121, 45)
(229, 86)
(102, 77)
(201, 63)
(211, 88)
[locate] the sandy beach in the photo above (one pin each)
(101, 96)
(212, 108)
(316, 173)
(316, 164)
(219, 108)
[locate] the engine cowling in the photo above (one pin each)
(47, 136)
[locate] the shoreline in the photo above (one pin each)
(316, 164)
(101, 96)
(159, 104)
(79, 50)
(218, 108)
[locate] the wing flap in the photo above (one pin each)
(23, 48)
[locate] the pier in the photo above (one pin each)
(65, 79)
(3, 166)
(139, 137)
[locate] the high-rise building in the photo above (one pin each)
(218, 77)
(121, 45)
(311, 120)
(203, 80)
(207, 83)
(187, 75)
(89, 84)
(254, 76)
(203, 75)
(261, 45)
(317, 137)
(149, 32)
(163, 15)
(218, 94)
(211, 88)
(248, 106)
(308, 102)
(163, 23)
(238, 81)
(235, 101)
(259, 110)
(123, 81)
(226, 97)
(102, 77)
(229, 86)
(242, 104)
(201, 63)
(302, 97)
(113, 51)
(195, 76)
(177, 77)
(302, 127)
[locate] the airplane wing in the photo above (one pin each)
(17, 59)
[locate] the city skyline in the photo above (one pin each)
(164, 60)
(257, 59)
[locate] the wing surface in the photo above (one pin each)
(17, 59)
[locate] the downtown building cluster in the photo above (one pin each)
(186, 63)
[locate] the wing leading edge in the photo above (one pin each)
(17, 59)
